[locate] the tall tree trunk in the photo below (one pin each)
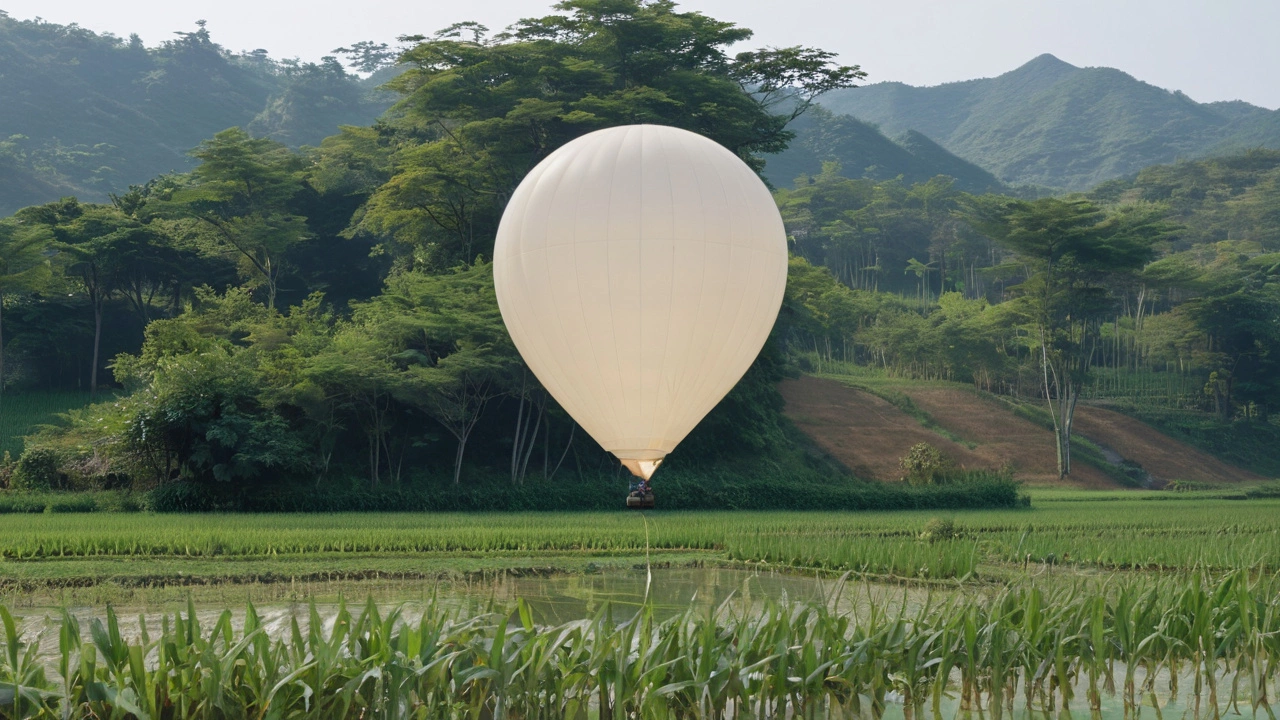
(457, 459)
(271, 284)
(524, 465)
(518, 437)
(1063, 444)
(97, 342)
(1066, 415)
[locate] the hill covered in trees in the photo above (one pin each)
(87, 114)
(861, 150)
(1052, 124)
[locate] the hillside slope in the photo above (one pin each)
(89, 114)
(863, 151)
(1054, 124)
(869, 435)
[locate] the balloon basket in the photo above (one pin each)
(635, 502)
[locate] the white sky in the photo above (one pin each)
(1209, 49)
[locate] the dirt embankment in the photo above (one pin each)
(869, 435)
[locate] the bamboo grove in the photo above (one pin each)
(1209, 644)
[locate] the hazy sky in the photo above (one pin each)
(1209, 49)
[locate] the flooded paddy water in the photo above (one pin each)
(554, 598)
(617, 596)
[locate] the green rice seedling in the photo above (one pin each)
(1120, 535)
(781, 660)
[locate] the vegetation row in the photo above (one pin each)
(1211, 643)
(1117, 535)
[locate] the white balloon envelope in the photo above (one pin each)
(639, 270)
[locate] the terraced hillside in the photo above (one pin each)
(869, 434)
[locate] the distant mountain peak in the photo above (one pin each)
(1041, 71)
(1053, 124)
(1046, 60)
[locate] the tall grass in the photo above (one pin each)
(1042, 649)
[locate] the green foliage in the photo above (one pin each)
(1120, 531)
(1269, 490)
(925, 464)
(870, 233)
(688, 490)
(37, 469)
(1025, 639)
(237, 203)
(201, 419)
(23, 413)
(28, 502)
(917, 560)
(483, 111)
(939, 530)
(1074, 253)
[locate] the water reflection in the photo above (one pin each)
(560, 599)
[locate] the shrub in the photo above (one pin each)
(37, 469)
(939, 529)
(1187, 486)
(925, 464)
(7, 465)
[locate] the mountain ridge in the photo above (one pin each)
(864, 151)
(1054, 124)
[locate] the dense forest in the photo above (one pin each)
(324, 316)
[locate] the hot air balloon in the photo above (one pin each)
(639, 270)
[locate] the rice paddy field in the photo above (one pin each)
(1097, 535)
(1110, 605)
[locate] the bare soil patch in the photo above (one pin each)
(1161, 456)
(869, 435)
(1002, 437)
(862, 431)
